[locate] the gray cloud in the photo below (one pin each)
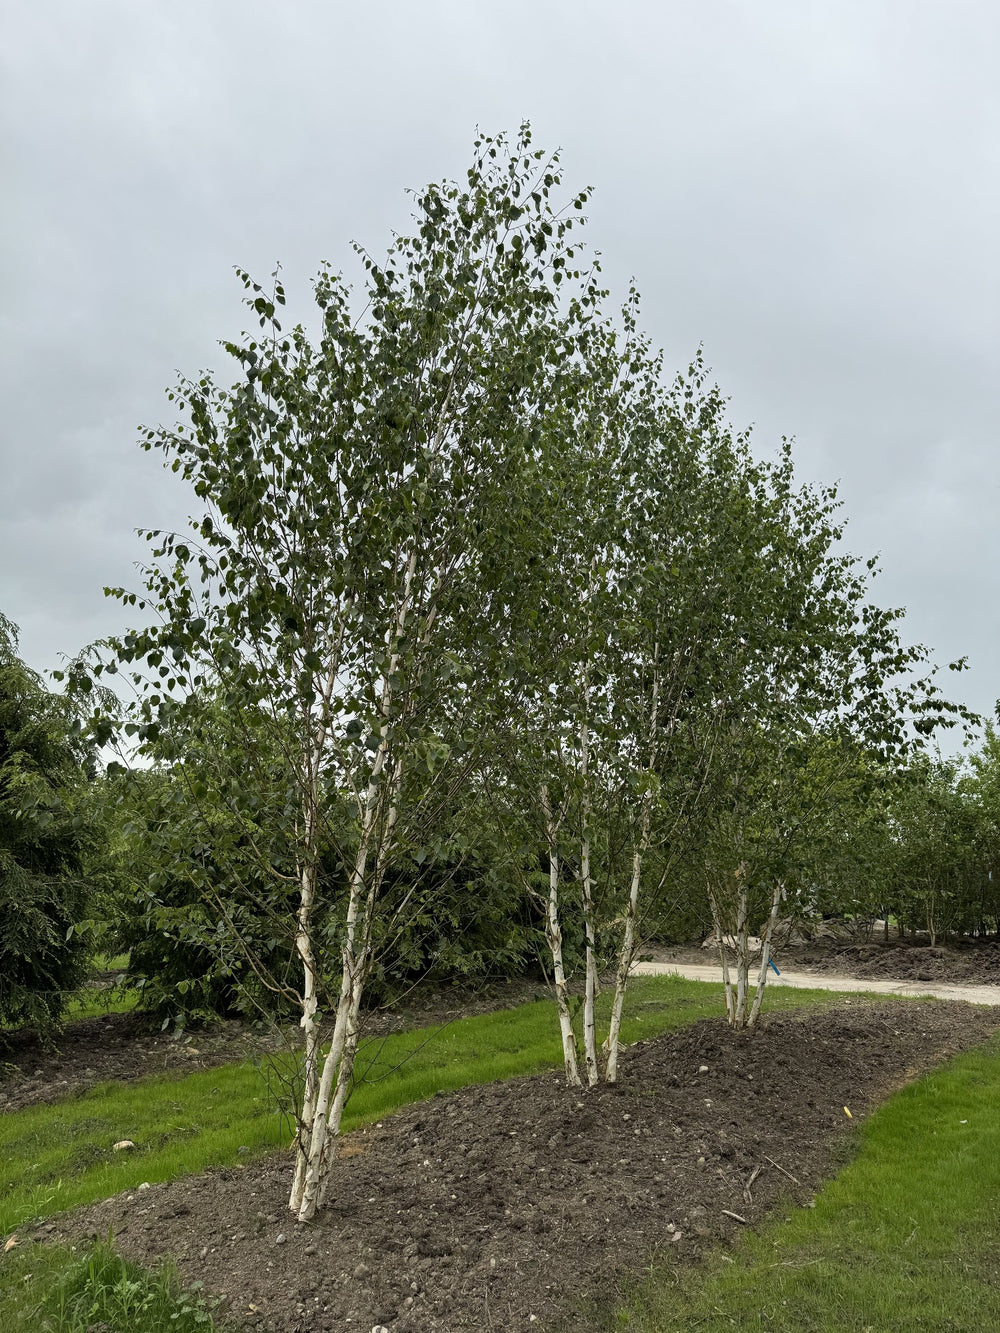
(811, 190)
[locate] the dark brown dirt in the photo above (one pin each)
(126, 1047)
(974, 965)
(109, 1047)
(969, 962)
(517, 1205)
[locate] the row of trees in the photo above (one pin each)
(90, 860)
(922, 850)
(478, 597)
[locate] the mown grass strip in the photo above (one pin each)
(60, 1155)
(905, 1238)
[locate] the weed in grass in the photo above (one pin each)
(56, 1289)
(904, 1239)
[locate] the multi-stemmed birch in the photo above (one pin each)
(542, 782)
(554, 777)
(617, 736)
(687, 520)
(366, 494)
(813, 675)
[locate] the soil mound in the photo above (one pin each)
(517, 1205)
(974, 964)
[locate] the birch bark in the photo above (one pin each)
(720, 940)
(311, 1029)
(316, 1156)
(742, 949)
(626, 957)
(765, 952)
(553, 935)
(626, 954)
(587, 891)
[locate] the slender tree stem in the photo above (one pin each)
(765, 952)
(553, 935)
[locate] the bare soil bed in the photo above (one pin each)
(126, 1047)
(518, 1206)
(969, 962)
(973, 964)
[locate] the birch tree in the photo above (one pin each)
(684, 479)
(556, 766)
(817, 674)
(686, 504)
(641, 595)
(366, 494)
(937, 872)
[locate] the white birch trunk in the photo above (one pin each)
(742, 950)
(626, 954)
(590, 992)
(344, 1044)
(315, 1158)
(587, 890)
(345, 1073)
(720, 939)
(311, 1029)
(626, 957)
(304, 946)
(765, 953)
(553, 936)
(318, 1148)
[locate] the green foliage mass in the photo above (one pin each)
(204, 903)
(44, 769)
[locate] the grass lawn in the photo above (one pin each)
(60, 1155)
(905, 1238)
(56, 1289)
(92, 1001)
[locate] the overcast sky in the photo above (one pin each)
(810, 190)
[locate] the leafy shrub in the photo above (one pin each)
(43, 774)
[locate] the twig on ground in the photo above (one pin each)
(749, 1185)
(735, 1216)
(777, 1167)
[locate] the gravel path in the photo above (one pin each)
(825, 981)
